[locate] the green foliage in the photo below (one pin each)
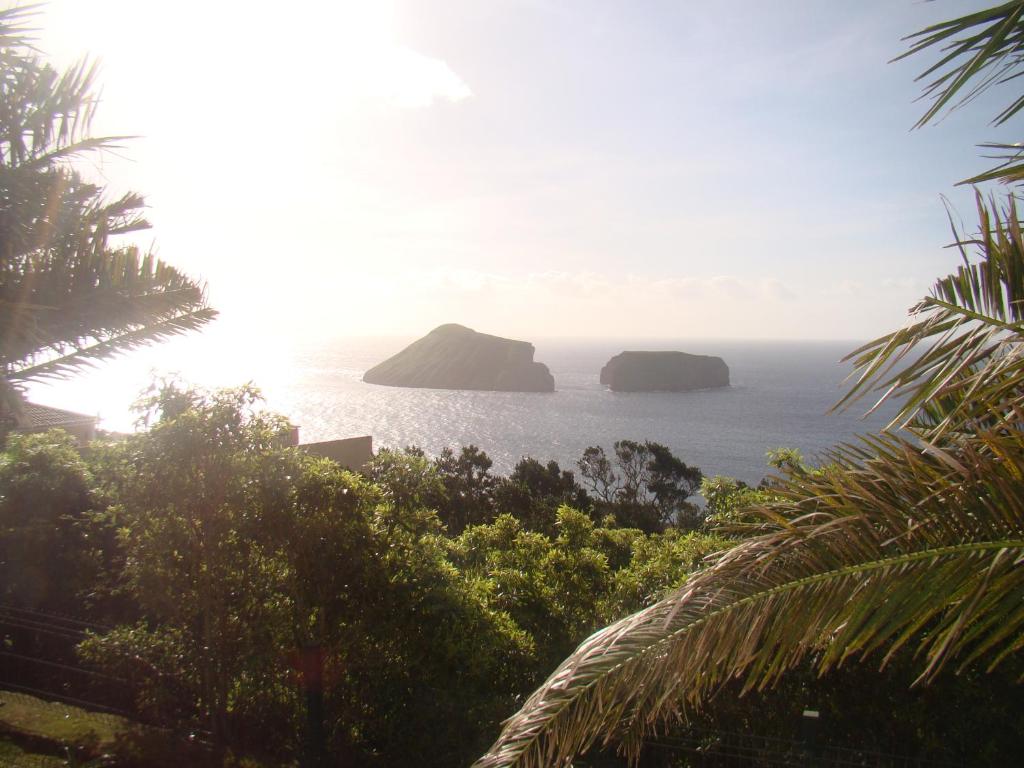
(408, 478)
(240, 555)
(222, 559)
(523, 574)
(904, 549)
(559, 586)
(200, 504)
(647, 487)
(786, 460)
(45, 552)
(468, 488)
(659, 564)
(732, 504)
(979, 51)
(155, 661)
(68, 296)
(430, 650)
(534, 492)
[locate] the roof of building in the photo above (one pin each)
(34, 416)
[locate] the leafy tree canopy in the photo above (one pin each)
(646, 486)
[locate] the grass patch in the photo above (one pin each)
(14, 756)
(59, 724)
(36, 733)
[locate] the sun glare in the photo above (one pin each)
(475, 326)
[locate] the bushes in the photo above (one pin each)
(222, 559)
(46, 557)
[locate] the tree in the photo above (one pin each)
(204, 499)
(979, 51)
(409, 479)
(45, 497)
(907, 545)
(69, 295)
(534, 492)
(469, 488)
(650, 488)
(242, 557)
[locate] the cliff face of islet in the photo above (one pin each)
(455, 357)
(664, 372)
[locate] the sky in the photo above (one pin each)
(533, 169)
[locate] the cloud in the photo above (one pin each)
(546, 303)
(606, 304)
(409, 80)
(905, 284)
(607, 285)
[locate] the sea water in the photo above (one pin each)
(780, 395)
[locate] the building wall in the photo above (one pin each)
(351, 452)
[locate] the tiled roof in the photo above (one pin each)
(35, 416)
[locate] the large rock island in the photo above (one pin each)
(455, 357)
(664, 372)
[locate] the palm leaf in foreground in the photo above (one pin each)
(73, 361)
(890, 547)
(957, 366)
(978, 51)
(69, 296)
(896, 546)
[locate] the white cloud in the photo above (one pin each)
(560, 303)
(409, 80)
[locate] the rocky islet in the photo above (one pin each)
(456, 357)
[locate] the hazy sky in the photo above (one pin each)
(531, 168)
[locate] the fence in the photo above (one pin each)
(37, 657)
(706, 748)
(65, 704)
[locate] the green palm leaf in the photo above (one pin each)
(957, 365)
(979, 50)
(1011, 168)
(908, 542)
(74, 360)
(67, 297)
(14, 34)
(890, 547)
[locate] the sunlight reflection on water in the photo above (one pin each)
(779, 396)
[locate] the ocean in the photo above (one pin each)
(780, 396)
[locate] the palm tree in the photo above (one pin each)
(979, 51)
(911, 540)
(68, 295)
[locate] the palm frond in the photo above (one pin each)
(891, 547)
(47, 332)
(44, 109)
(55, 302)
(67, 151)
(67, 297)
(979, 50)
(957, 364)
(112, 345)
(15, 35)
(1010, 169)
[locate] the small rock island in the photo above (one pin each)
(664, 372)
(455, 357)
